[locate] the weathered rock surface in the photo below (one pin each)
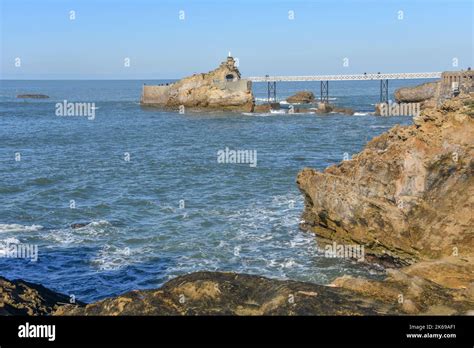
(303, 97)
(325, 108)
(439, 287)
(220, 89)
(408, 196)
(215, 293)
(419, 289)
(18, 297)
(417, 94)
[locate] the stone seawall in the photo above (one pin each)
(154, 94)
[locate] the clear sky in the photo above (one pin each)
(372, 34)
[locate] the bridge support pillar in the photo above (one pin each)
(271, 89)
(324, 92)
(383, 91)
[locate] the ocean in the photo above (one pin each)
(155, 200)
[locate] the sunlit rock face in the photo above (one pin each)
(219, 89)
(407, 196)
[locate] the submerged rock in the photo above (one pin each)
(32, 96)
(79, 225)
(220, 89)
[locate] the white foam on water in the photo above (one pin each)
(265, 99)
(289, 263)
(99, 223)
(111, 258)
(5, 228)
(262, 114)
(77, 236)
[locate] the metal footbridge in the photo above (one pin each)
(324, 80)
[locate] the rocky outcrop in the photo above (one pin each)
(408, 199)
(18, 297)
(438, 287)
(415, 290)
(220, 89)
(418, 93)
(215, 293)
(325, 108)
(303, 97)
(407, 196)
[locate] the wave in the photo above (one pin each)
(266, 99)
(257, 114)
(99, 223)
(82, 235)
(111, 258)
(5, 228)
(363, 113)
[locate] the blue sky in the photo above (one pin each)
(258, 32)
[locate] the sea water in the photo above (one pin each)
(153, 197)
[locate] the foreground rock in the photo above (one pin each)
(201, 293)
(214, 293)
(220, 89)
(414, 290)
(407, 196)
(303, 97)
(438, 287)
(408, 199)
(18, 297)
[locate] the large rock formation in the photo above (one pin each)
(220, 89)
(407, 196)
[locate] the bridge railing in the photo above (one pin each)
(354, 77)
